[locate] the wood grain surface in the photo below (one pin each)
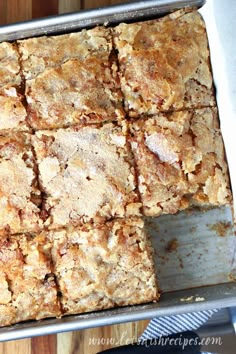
(88, 341)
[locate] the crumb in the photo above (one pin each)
(198, 298)
(190, 298)
(221, 228)
(232, 277)
(172, 245)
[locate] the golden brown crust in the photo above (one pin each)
(12, 110)
(99, 267)
(71, 79)
(76, 92)
(164, 64)
(19, 195)
(28, 288)
(180, 161)
(86, 173)
(9, 65)
(39, 54)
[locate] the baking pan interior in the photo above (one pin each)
(194, 250)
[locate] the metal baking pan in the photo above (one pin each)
(194, 251)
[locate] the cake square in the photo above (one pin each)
(180, 161)
(42, 53)
(19, 194)
(79, 84)
(164, 64)
(9, 65)
(12, 110)
(86, 174)
(27, 286)
(103, 266)
(76, 92)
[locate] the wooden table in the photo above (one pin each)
(87, 341)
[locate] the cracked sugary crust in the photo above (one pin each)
(19, 195)
(99, 267)
(39, 54)
(86, 174)
(76, 92)
(71, 79)
(164, 64)
(180, 161)
(9, 65)
(12, 110)
(27, 285)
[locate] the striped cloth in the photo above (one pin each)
(164, 326)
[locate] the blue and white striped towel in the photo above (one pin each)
(164, 326)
